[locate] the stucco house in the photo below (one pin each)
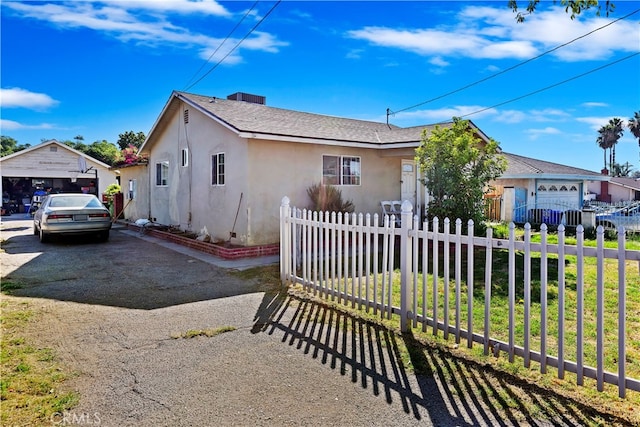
(225, 164)
(529, 185)
(54, 165)
(617, 189)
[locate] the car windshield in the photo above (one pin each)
(76, 201)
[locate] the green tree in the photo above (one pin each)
(576, 7)
(104, 151)
(130, 138)
(458, 167)
(624, 170)
(10, 146)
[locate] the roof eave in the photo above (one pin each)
(556, 176)
(334, 142)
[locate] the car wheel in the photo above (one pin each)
(44, 237)
(103, 236)
(35, 229)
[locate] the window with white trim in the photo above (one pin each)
(162, 174)
(217, 169)
(184, 157)
(341, 170)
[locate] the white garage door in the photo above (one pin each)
(559, 194)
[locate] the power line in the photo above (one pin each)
(235, 47)
(513, 67)
(553, 85)
(223, 42)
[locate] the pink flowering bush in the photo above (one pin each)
(130, 156)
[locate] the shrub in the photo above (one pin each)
(112, 189)
(327, 198)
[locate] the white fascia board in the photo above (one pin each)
(332, 142)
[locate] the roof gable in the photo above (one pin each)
(53, 142)
(250, 120)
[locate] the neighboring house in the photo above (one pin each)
(536, 184)
(618, 189)
(225, 164)
(53, 165)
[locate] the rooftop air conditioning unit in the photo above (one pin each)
(247, 97)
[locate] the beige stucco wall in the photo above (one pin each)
(618, 193)
(190, 201)
(138, 207)
(278, 169)
(258, 174)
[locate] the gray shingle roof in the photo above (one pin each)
(520, 165)
(256, 118)
(627, 182)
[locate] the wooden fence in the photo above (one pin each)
(428, 278)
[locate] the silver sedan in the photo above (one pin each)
(66, 214)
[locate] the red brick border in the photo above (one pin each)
(212, 248)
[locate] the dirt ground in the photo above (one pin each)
(115, 314)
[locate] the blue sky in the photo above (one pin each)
(98, 69)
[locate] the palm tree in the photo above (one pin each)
(634, 125)
(616, 127)
(603, 142)
(608, 138)
(624, 170)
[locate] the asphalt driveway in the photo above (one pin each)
(116, 312)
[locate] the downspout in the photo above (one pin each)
(149, 192)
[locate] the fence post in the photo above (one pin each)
(285, 241)
(405, 264)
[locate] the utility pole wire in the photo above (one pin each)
(235, 47)
(513, 67)
(223, 41)
(553, 85)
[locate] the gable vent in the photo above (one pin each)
(186, 116)
(247, 97)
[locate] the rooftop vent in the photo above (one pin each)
(254, 99)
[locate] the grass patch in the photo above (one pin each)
(31, 385)
(7, 287)
(209, 332)
(426, 305)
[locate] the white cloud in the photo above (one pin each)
(22, 98)
(13, 125)
(519, 116)
(428, 42)
(535, 133)
(439, 62)
(594, 104)
(595, 123)
(445, 114)
(354, 54)
(511, 116)
(144, 22)
(490, 33)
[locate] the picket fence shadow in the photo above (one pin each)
(355, 259)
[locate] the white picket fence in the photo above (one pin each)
(353, 259)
